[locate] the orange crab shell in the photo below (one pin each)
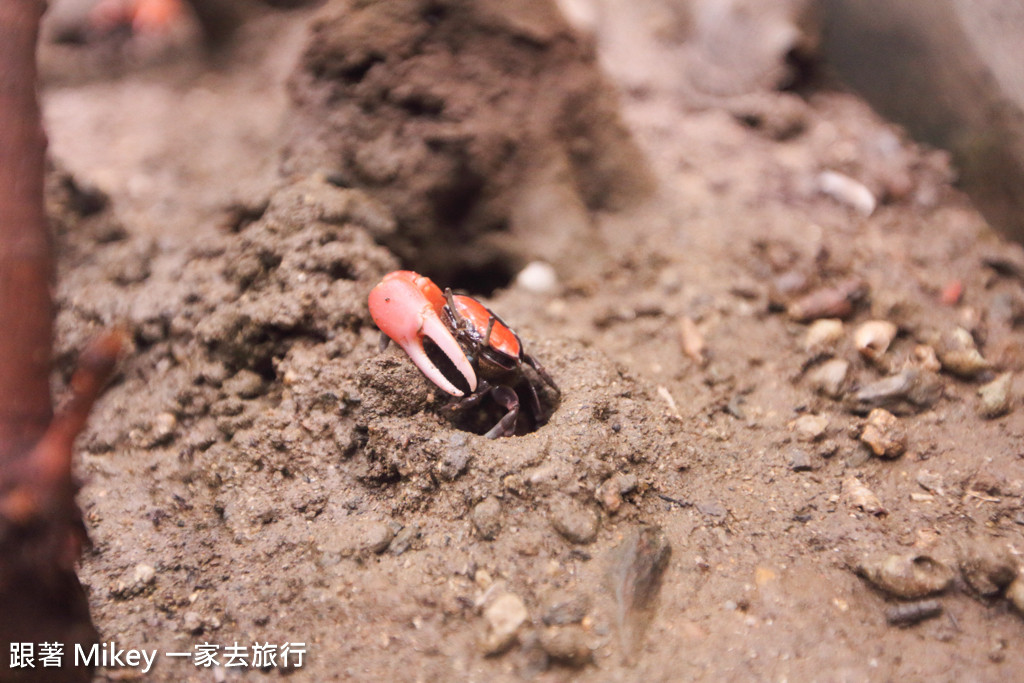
(502, 338)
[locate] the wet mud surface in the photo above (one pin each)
(729, 488)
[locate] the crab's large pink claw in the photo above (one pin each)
(406, 306)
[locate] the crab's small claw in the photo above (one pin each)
(405, 306)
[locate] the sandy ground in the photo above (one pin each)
(704, 503)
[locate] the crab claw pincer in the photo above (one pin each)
(406, 307)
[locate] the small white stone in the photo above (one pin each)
(504, 616)
(809, 427)
(164, 425)
(1015, 594)
(144, 574)
(538, 277)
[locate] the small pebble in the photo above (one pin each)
(799, 460)
(809, 427)
(785, 286)
(486, 518)
(538, 277)
(823, 335)
(161, 430)
(483, 578)
(191, 622)
(712, 508)
(926, 358)
(830, 302)
(735, 407)
(356, 537)
(912, 612)
(143, 576)
(910, 390)
(859, 496)
(576, 522)
(909, 576)
(987, 566)
(609, 493)
(996, 397)
(504, 616)
(456, 457)
(829, 378)
(403, 540)
(635, 572)
(566, 645)
(884, 434)
(826, 449)
(567, 609)
(872, 339)
(376, 537)
(857, 458)
(244, 384)
(930, 481)
(1015, 594)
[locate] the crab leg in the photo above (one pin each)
(506, 398)
(402, 309)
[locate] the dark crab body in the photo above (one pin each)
(472, 353)
(498, 357)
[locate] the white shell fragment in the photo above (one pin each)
(872, 338)
(859, 496)
(692, 340)
(823, 335)
(1015, 594)
(959, 355)
(829, 378)
(846, 190)
(996, 396)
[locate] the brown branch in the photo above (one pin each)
(39, 485)
(26, 266)
(41, 529)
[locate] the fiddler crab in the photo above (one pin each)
(462, 347)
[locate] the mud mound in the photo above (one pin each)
(257, 406)
(481, 124)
